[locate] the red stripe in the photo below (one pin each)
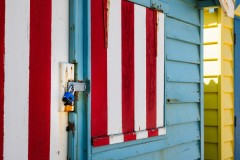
(40, 80)
(101, 141)
(151, 69)
(2, 53)
(152, 133)
(98, 71)
(127, 66)
(129, 136)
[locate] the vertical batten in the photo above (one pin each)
(140, 67)
(58, 138)
(114, 69)
(160, 71)
(16, 79)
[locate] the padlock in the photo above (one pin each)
(68, 97)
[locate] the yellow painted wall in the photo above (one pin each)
(218, 86)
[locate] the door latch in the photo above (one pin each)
(70, 127)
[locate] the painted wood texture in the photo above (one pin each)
(183, 94)
(237, 84)
(218, 85)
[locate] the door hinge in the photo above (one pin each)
(235, 121)
(235, 38)
(71, 127)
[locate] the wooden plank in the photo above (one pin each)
(227, 70)
(182, 72)
(211, 134)
(228, 117)
(211, 68)
(211, 35)
(176, 113)
(227, 86)
(211, 151)
(140, 67)
(210, 19)
(228, 101)
(182, 31)
(182, 92)
(211, 100)
(114, 70)
(210, 85)
(211, 118)
(184, 11)
(228, 150)
(182, 51)
(210, 51)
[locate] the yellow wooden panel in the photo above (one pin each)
(227, 52)
(210, 100)
(211, 134)
(228, 22)
(227, 35)
(227, 85)
(228, 117)
(227, 100)
(227, 150)
(211, 117)
(211, 68)
(210, 51)
(228, 133)
(210, 84)
(227, 68)
(211, 35)
(210, 19)
(210, 151)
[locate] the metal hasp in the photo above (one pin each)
(78, 86)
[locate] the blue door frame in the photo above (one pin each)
(237, 84)
(79, 141)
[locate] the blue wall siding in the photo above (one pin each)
(184, 114)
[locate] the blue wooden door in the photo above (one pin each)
(237, 87)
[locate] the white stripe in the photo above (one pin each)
(16, 79)
(161, 131)
(116, 138)
(141, 134)
(59, 36)
(160, 71)
(140, 67)
(114, 69)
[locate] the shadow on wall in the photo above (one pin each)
(211, 104)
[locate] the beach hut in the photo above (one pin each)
(218, 85)
(138, 72)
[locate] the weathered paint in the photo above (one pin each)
(183, 93)
(2, 53)
(16, 100)
(218, 85)
(60, 29)
(21, 63)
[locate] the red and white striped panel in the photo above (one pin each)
(33, 41)
(128, 74)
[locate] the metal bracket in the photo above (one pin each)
(78, 86)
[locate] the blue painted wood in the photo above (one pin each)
(179, 30)
(182, 51)
(78, 54)
(174, 153)
(182, 72)
(183, 12)
(182, 92)
(182, 113)
(188, 132)
(237, 87)
(72, 142)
